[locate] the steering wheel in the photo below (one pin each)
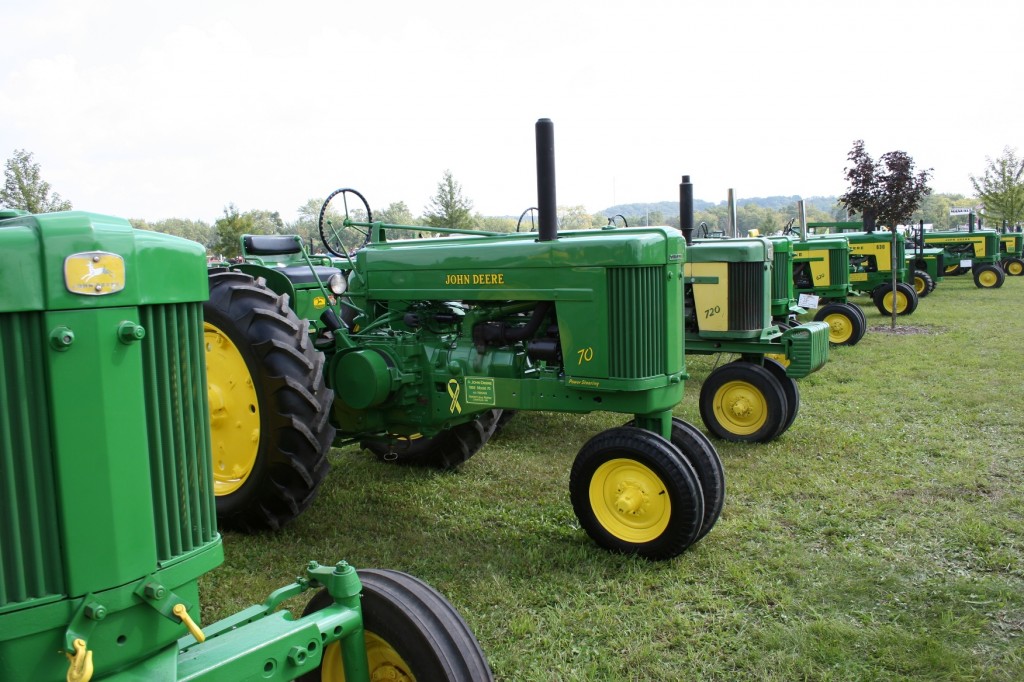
(332, 234)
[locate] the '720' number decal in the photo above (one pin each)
(711, 312)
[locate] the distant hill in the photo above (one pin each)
(671, 208)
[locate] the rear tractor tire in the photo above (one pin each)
(905, 299)
(634, 492)
(743, 402)
(269, 407)
(446, 450)
(411, 633)
(845, 326)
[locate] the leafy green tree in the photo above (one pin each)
(228, 232)
(397, 213)
(574, 218)
(266, 222)
(25, 189)
(194, 230)
(495, 223)
(448, 207)
(1001, 188)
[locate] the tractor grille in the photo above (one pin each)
(179, 438)
(780, 275)
(30, 563)
(838, 265)
(637, 322)
(746, 296)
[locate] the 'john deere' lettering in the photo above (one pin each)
(491, 278)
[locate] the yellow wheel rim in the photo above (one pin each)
(1014, 269)
(901, 301)
(840, 328)
(385, 663)
(920, 285)
(740, 408)
(988, 279)
(630, 501)
(951, 269)
(779, 358)
(234, 412)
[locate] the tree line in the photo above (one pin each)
(1000, 188)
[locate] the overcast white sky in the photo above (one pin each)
(175, 109)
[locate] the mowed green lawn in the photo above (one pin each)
(880, 538)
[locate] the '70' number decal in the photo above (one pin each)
(586, 355)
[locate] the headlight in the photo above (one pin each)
(337, 284)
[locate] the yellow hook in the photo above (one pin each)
(181, 612)
(80, 668)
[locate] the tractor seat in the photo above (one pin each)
(303, 274)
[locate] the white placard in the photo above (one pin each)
(808, 301)
(966, 263)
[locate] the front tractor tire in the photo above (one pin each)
(1013, 267)
(744, 402)
(269, 407)
(904, 298)
(923, 283)
(634, 492)
(989, 276)
(411, 633)
(845, 325)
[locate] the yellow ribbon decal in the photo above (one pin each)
(454, 393)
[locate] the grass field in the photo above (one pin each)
(880, 538)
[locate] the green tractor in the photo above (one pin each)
(428, 344)
(821, 277)
(975, 250)
(871, 265)
(926, 263)
(729, 310)
(1011, 252)
(108, 515)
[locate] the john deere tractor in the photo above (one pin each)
(1011, 250)
(818, 271)
(871, 265)
(975, 250)
(427, 343)
(107, 520)
(729, 310)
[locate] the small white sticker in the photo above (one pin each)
(965, 263)
(808, 301)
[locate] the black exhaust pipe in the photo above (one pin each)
(686, 209)
(547, 209)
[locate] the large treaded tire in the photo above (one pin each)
(446, 450)
(412, 632)
(294, 433)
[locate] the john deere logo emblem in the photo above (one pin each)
(94, 273)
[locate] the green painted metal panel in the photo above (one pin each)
(101, 450)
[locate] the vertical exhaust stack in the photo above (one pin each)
(732, 213)
(686, 209)
(802, 212)
(547, 209)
